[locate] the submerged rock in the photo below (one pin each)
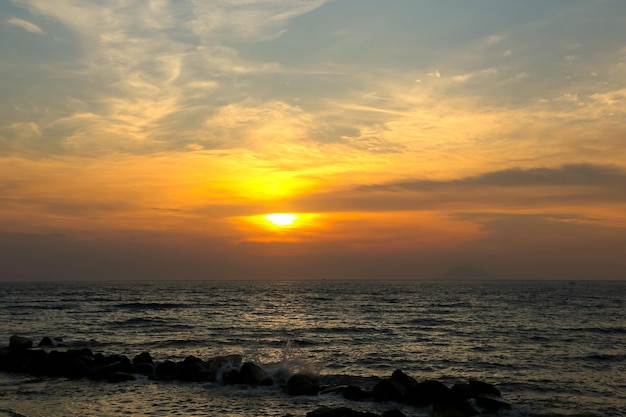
(301, 384)
(20, 343)
(339, 412)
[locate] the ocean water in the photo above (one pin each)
(552, 348)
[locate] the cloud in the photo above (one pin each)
(26, 25)
(567, 175)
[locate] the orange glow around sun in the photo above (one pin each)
(281, 219)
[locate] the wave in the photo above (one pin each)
(150, 306)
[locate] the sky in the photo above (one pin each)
(149, 139)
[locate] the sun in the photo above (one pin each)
(281, 219)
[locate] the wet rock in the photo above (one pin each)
(453, 409)
(105, 366)
(462, 390)
(219, 365)
(480, 387)
(167, 370)
(393, 413)
(492, 403)
(20, 343)
(253, 374)
(356, 393)
(146, 369)
(47, 342)
(115, 377)
(193, 369)
(388, 390)
(338, 412)
(143, 357)
(300, 384)
(426, 393)
(406, 381)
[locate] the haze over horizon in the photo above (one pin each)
(151, 139)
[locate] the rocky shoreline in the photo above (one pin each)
(50, 358)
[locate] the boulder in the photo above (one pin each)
(338, 412)
(393, 413)
(20, 343)
(146, 369)
(492, 403)
(406, 381)
(47, 342)
(167, 370)
(388, 390)
(193, 369)
(115, 377)
(300, 384)
(252, 374)
(480, 387)
(143, 357)
(453, 409)
(426, 393)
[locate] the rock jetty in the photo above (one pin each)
(51, 359)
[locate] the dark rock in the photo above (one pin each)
(492, 403)
(300, 384)
(112, 364)
(388, 390)
(393, 413)
(115, 377)
(231, 377)
(339, 412)
(146, 369)
(20, 343)
(406, 381)
(480, 387)
(78, 367)
(463, 390)
(453, 409)
(47, 342)
(167, 370)
(219, 365)
(253, 374)
(193, 369)
(143, 357)
(356, 393)
(426, 393)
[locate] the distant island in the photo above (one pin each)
(465, 272)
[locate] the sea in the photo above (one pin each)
(554, 348)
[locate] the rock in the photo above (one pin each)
(480, 387)
(115, 377)
(193, 369)
(167, 370)
(406, 381)
(393, 413)
(492, 403)
(219, 365)
(146, 369)
(300, 384)
(338, 412)
(463, 390)
(453, 409)
(20, 343)
(143, 357)
(47, 342)
(105, 366)
(356, 393)
(388, 390)
(426, 393)
(253, 374)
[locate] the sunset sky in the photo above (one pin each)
(149, 139)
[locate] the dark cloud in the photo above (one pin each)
(567, 175)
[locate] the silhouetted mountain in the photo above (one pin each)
(460, 272)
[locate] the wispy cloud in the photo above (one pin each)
(26, 25)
